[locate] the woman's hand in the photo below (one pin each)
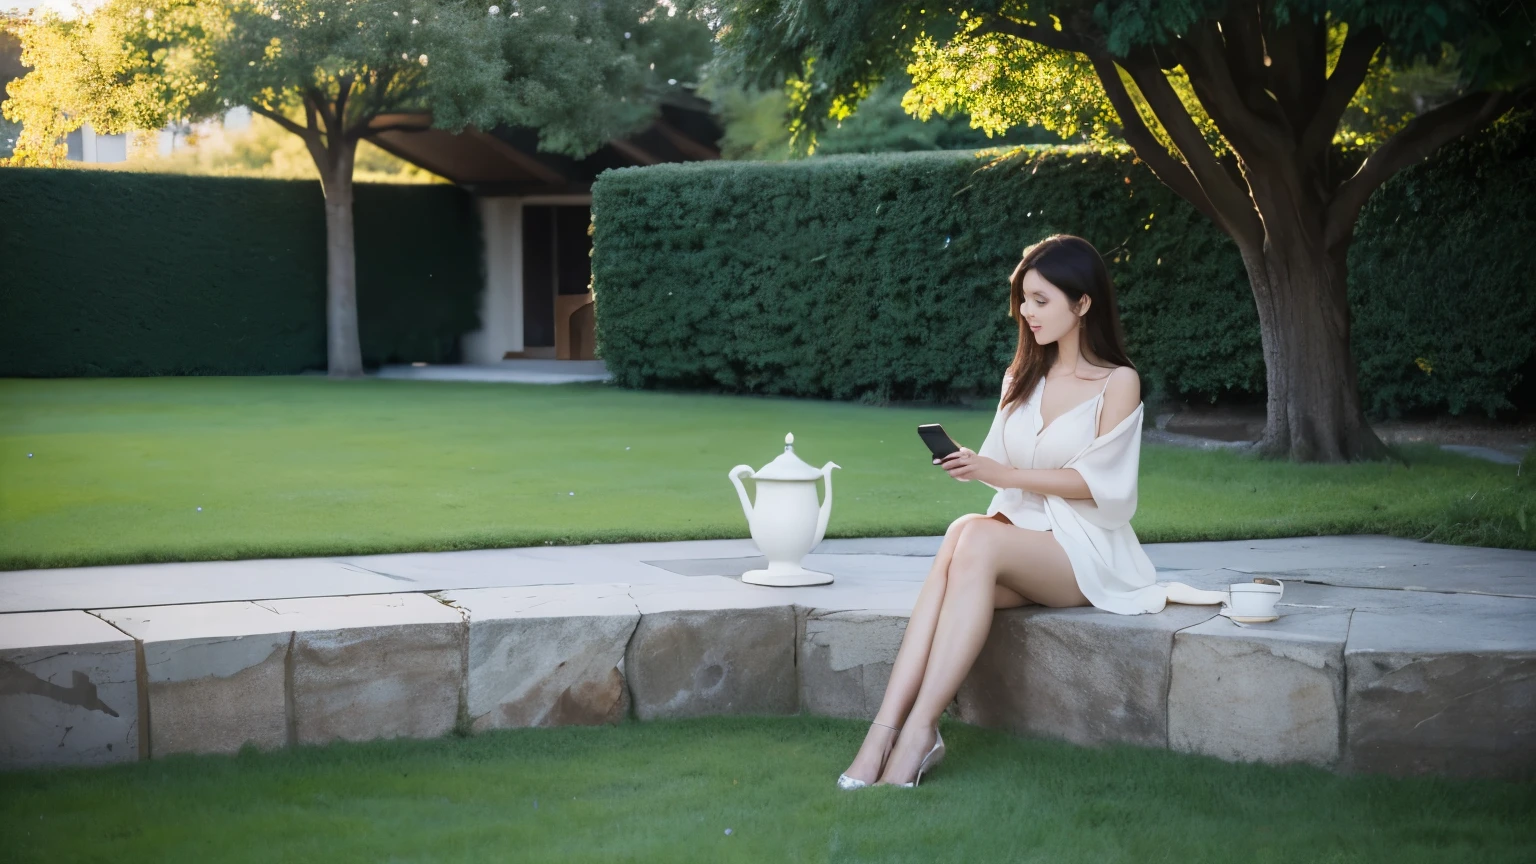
(964, 465)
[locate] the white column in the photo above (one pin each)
(87, 143)
(501, 304)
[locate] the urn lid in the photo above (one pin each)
(787, 466)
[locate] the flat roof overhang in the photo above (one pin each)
(507, 161)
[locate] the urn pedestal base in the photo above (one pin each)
(788, 577)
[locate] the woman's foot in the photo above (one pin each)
(871, 756)
(914, 744)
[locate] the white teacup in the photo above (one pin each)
(1255, 599)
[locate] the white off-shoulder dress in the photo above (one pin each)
(1112, 570)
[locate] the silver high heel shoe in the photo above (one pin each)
(847, 783)
(930, 761)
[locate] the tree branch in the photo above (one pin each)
(343, 90)
(1422, 136)
(317, 149)
(1242, 39)
(1047, 36)
(375, 95)
(1249, 131)
(1348, 74)
(279, 119)
(321, 104)
(1234, 208)
(1173, 173)
(370, 131)
(1294, 85)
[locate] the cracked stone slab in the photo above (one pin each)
(1443, 685)
(1081, 674)
(1364, 562)
(214, 675)
(69, 691)
(926, 547)
(845, 660)
(731, 567)
(128, 585)
(1269, 692)
(501, 568)
(694, 662)
(549, 655)
(723, 592)
(891, 568)
(698, 593)
(373, 666)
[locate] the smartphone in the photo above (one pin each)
(937, 440)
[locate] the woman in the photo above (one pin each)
(1062, 454)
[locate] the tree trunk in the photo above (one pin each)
(344, 357)
(1314, 412)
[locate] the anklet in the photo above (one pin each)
(892, 728)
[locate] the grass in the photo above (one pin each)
(301, 466)
(667, 791)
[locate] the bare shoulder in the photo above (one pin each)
(1121, 396)
(1125, 383)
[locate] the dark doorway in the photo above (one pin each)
(556, 260)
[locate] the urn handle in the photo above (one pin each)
(826, 504)
(746, 503)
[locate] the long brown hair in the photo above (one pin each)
(1074, 266)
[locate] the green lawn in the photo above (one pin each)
(291, 466)
(668, 791)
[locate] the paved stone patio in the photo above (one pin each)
(527, 371)
(1391, 656)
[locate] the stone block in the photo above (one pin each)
(214, 675)
(1265, 692)
(1082, 675)
(69, 691)
(845, 660)
(550, 655)
(379, 666)
(1444, 687)
(695, 662)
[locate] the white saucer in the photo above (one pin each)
(1248, 619)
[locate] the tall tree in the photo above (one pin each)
(336, 72)
(1236, 106)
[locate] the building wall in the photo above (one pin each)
(501, 305)
(84, 145)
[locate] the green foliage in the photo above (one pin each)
(564, 67)
(755, 127)
(831, 54)
(263, 149)
(115, 273)
(884, 277)
(1443, 277)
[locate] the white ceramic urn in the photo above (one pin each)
(786, 522)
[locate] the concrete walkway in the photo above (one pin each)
(873, 573)
(505, 372)
(1390, 655)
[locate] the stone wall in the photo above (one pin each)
(1362, 682)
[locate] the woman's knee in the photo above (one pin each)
(975, 559)
(957, 527)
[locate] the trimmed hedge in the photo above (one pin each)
(885, 277)
(106, 273)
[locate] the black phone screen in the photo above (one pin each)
(938, 441)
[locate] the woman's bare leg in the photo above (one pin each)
(988, 555)
(907, 671)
